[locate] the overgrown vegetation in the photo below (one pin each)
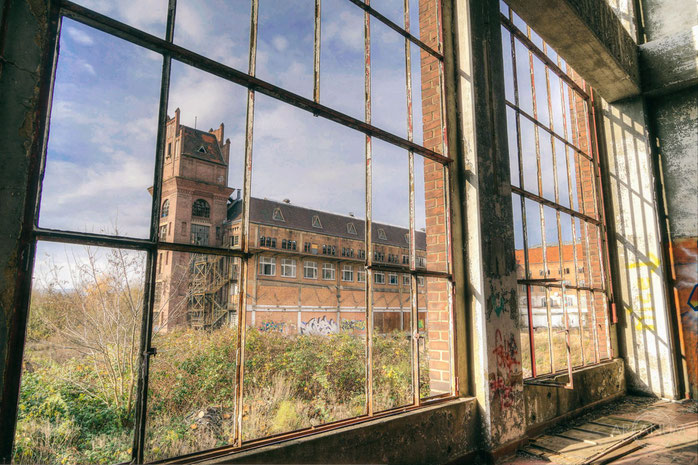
(291, 382)
(78, 392)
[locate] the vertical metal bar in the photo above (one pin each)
(138, 449)
(316, 60)
(570, 383)
(245, 230)
(369, 215)
(606, 279)
(414, 327)
(531, 335)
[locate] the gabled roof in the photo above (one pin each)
(200, 144)
(301, 218)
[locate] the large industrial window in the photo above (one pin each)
(559, 224)
(322, 122)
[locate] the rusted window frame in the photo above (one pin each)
(154, 245)
(585, 94)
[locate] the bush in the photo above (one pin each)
(291, 382)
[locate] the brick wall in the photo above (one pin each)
(437, 301)
(591, 257)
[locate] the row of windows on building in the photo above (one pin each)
(200, 208)
(199, 233)
(331, 250)
(267, 267)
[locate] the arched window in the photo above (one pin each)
(201, 208)
(165, 210)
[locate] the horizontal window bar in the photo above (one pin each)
(397, 28)
(548, 130)
(100, 240)
(138, 37)
(543, 56)
(554, 205)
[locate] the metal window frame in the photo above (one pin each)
(152, 246)
(580, 215)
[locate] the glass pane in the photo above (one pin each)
(523, 77)
(556, 103)
(601, 309)
(508, 66)
(558, 326)
(434, 343)
(392, 347)
(563, 190)
(568, 274)
(305, 348)
(203, 167)
(513, 147)
(430, 215)
(150, 16)
(552, 243)
(541, 343)
(84, 322)
(547, 170)
(524, 331)
(534, 238)
(342, 58)
(587, 184)
(191, 388)
(101, 148)
(541, 92)
(528, 156)
(388, 84)
(573, 158)
(426, 103)
(595, 256)
(218, 30)
(518, 237)
(285, 38)
(391, 9)
(587, 325)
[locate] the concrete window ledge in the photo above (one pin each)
(440, 433)
(547, 405)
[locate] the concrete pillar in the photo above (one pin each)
(26, 49)
(490, 262)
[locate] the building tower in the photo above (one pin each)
(193, 289)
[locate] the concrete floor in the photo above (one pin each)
(674, 442)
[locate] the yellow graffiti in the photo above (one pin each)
(653, 262)
(643, 301)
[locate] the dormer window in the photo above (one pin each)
(351, 229)
(277, 215)
(316, 222)
(381, 235)
(202, 149)
(407, 238)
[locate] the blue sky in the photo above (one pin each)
(103, 128)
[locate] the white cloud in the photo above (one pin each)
(79, 36)
(280, 43)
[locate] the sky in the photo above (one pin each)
(103, 127)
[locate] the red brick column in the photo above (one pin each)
(436, 295)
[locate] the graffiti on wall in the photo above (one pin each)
(503, 382)
(268, 326)
(352, 325)
(322, 326)
(642, 307)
